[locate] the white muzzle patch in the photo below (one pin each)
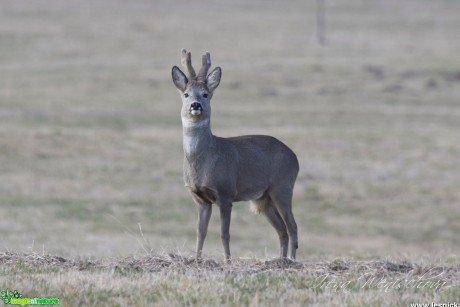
(196, 109)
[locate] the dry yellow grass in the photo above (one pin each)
(177, 280)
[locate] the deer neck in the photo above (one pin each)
(197, 138)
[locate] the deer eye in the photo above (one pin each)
(186, 95)
(205, 95)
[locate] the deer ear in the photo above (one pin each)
(179, 78)
(213, 79)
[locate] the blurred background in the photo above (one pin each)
(367, 96)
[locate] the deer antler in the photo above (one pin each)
(187, 63)
(206, 64)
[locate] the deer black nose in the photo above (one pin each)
(196, 108)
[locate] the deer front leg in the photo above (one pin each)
(204, 214)
(225, 217)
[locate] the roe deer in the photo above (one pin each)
(225, 170)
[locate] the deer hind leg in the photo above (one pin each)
(283, 204)
(267, 208)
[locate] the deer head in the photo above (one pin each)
(196, 90)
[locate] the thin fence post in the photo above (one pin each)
(320, 22)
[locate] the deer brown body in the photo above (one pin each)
(225, 170)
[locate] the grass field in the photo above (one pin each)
(176, 280)
(91, 149)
